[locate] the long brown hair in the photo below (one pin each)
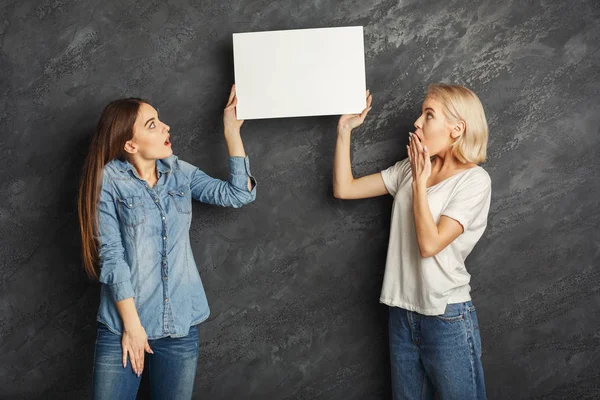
(114, 129)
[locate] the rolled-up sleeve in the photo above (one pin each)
(114, 270)
(233, 193)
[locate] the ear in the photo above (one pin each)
(458, 129)
(130, 147)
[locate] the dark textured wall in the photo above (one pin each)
(293, 280)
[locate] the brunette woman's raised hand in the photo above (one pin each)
(230, 115)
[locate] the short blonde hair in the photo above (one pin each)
(461, 104)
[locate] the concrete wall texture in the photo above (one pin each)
(293, 279)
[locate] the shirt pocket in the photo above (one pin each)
(132, 210)
(181, 198)
(453, 313)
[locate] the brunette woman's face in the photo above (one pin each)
(434, 129)
(150, 135)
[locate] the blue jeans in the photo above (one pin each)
(171, 369)
(438, 354)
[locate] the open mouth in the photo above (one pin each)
(167, 142)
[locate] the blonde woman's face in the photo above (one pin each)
(433, 127)
(151, 138)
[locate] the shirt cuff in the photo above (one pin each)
(120, 291)
(239, 168)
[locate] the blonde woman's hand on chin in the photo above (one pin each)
(135, 343)
(347, 122)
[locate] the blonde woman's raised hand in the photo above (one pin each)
(347, 122)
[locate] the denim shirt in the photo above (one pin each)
(144, 244)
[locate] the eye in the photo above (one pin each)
(429, 115)
(152, 126)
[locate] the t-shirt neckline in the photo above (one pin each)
(450, 177)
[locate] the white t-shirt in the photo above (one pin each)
(426, 285)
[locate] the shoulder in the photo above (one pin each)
(474, 181)
(114, 169)
(172, 161)
(180, 167)
(399, 168)
(478, 175)
(403, 164)
(175, 164)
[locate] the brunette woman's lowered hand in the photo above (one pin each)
(135, 343)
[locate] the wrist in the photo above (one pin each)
(131, 324)
(231, 131)
(419, 185)
(344, 132)
(131, 320)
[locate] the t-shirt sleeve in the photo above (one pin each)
(470, 203)
(393, 176)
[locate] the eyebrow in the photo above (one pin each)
(429, 108)
(148, 121)
(151, 118)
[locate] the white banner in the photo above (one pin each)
(296, 73)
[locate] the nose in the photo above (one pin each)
(167, 128)
(418, 123)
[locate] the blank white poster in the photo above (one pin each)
(301, 72)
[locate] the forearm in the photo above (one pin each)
(342, 166)
(425, 226)
(235, 146)
(128, 313)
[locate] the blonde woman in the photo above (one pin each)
(135, 210)
(441, 204)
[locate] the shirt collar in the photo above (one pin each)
(161, 165)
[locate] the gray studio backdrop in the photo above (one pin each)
(293, 279)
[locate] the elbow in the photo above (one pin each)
(339, 193)
(238, 203)
(343, 189)
(427, 251)
(241, 197)
(425, 254)
(247, 199)
(251, 196)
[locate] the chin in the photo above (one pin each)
(166, 154)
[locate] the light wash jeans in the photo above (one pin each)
(438, 354)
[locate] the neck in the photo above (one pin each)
(446, 161)
(146, 169)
